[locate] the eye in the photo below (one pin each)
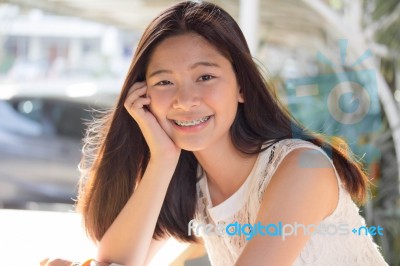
(163, 83)
(206, 77)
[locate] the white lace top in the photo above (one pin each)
(242, 207)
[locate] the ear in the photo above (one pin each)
(240, 96)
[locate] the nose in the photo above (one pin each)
(186, 97)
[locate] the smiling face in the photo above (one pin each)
(194, 92)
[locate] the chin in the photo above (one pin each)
(191, 146)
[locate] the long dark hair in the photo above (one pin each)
(115, 153)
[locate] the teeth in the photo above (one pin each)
(191, 123)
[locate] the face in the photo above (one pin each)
(193, 90)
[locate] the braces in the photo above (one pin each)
(191, 123)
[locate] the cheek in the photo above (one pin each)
(224, 98)
(159, 103)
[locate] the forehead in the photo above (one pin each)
(184, 48)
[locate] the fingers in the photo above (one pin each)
(55, 262)
(44, 262)
(136, 98)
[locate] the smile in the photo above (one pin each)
(191, 122)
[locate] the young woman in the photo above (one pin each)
(197, 140)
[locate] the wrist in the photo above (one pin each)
(166, 165)
(165, 156)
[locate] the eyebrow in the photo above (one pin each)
(157, 72)
(201, 63)
(204, 63)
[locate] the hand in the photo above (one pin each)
(61, 262)
(160, 144)
(55, 262)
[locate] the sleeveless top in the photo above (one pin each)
(242, 207)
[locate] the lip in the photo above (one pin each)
(191, 129)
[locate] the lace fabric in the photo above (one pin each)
(243, 206)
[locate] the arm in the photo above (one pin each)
(294, 194)
(127, 241)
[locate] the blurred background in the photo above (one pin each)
(334, 63)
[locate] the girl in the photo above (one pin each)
(197, 140)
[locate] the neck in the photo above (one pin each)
(226, 169)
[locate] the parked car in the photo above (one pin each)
(40, 148)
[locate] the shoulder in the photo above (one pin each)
(303, 190)
(292, 158)
(306, 176)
